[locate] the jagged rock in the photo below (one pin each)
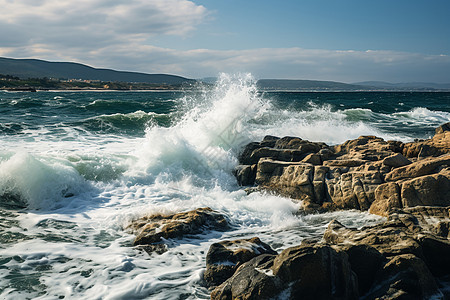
(432, 190)
(368, 148)
(438, 145)
(245, 174)
(225, 257)
(405, 277)
(396, 160)
(354, 190)
(289, 179)
(365, 261)
(302, 272)
(401, 234)
(390, 238)
(365, 173)
(387, 197)
(420, 168)
(152, 229)
(252, 280)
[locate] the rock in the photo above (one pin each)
(316, 272)
(252, 280)
(405, 277)
(390, 238)
(225, 257)
(152, 229)
(344, 162)
(367, 173)
(431, 190)
(245, 174)
(289, 179)
(296, 143)
(420, 168)
(438, 145)
(387, 197)
(354, 190)
(369, 148)
(302, 272)
(366, 262)
(313, 158)
(396, 160)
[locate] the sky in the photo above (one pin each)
(346, 40)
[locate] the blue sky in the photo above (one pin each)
(349, 41)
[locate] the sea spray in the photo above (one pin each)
(37, 184)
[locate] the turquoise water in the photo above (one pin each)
(77, 167)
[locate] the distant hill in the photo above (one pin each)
(34, 68)
(295, 85)
(406, 85)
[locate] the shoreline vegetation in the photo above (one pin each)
(16, 84)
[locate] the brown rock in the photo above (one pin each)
(354, 190)
(225, 257)
(405, 277)
(387, 197)
(151, 229)
(289, 179)
(438, 145)
(431, 190)
(396, 160)
(420, 168)
(302, 272)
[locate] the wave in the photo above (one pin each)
(37, 183)
(131, 123)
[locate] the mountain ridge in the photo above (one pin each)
(36, 68)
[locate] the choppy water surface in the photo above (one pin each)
(84, 164)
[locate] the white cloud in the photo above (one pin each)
(92, 23)
(118, 34)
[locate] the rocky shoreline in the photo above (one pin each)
(405, 257)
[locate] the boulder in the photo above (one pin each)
(151, 230)
(420, 168)
(302, 272)
(253, 280)
(438, 145)
(387, 197)
(289, 179)
(245, 174)
(225, 257)
(431, 190)
(396, 160)
(354, 190)
(405, 277)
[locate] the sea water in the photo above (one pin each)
(77, 167)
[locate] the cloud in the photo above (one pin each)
(95, 23)
(119, 34)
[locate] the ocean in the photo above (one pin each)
(77, 167)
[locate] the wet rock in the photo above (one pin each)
(245, 174)
(390, 238)
(405, 277)
(252, 280)
(302, 272)
(367, 173)
(225, 257)
(151, 230)
(289, 179)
